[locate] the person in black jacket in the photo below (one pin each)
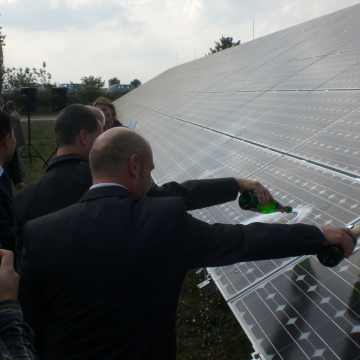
(101, 279)
(7, 147)
(68, 177)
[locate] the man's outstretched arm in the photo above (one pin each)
(198, 194)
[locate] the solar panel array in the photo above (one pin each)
(282, 109)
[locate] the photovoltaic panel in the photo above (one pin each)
(319, 72)
(305, 312)
(338, 146)
(348, 79)
(253, 106)
(309, 191)
(284, 110)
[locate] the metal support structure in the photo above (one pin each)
(30, 145)
(208, 286)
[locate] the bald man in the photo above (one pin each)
(101, 279)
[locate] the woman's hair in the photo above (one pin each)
(105, 101)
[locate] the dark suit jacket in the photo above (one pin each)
(68, 178)
(7, 239)
(101, 279)
(13, 170)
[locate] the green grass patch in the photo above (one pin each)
(206, 327)
(43, 139)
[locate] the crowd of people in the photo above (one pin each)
(101, 250)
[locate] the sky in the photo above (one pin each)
(137, 39)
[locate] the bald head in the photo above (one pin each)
(113, 150)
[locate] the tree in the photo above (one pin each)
(18, 78)
(113, 81)
(2, 68)
(91, 82)
(224, 43)
(88, 90)
(136, 83)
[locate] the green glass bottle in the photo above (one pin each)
(249, 201)
(332, 255)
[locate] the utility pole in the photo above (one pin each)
(253, 28)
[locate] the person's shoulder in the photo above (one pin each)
(71, 162)
(52, 218)
(27, 190)
(167, 205)
(117, 123)
(67, 159)
(29, 195)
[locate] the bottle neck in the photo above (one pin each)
(355, 229)
(284, 208)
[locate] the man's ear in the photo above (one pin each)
(134, 165)
(4, 142)
(83, 137)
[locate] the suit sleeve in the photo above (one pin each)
(6, 225)
(198, 194)
(31, 296)
(7, 239)
(222, 244)
(18, 230)
(14, 169)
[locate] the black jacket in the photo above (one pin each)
(68, 178)
(101, 279)
(13, 170)
(7, 239)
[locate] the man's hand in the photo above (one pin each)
(8, 277)
(262, 193)
(340, 236)
(19, 186)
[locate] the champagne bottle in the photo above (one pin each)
(332, 255)
(249, 201)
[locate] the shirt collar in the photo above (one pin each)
(107, 184)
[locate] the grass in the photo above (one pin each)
(43, 138)
(206, 327)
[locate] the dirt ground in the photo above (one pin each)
(38, 117)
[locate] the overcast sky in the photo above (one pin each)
(137, 38)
